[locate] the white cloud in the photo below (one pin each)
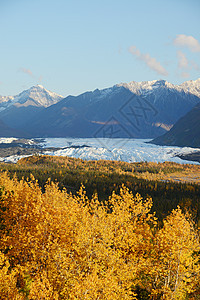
(185, 65)
(30, 73)
(182, 60)
(151, 62)
(26, 71)
(195, 65)
(185, 75)
(188, 41)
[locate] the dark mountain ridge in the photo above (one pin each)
(186, 132)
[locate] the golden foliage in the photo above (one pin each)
(70, 247)
(8, 280)
(175, 260)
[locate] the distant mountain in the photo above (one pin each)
(15, 111)
(138, 110)
(35, 96)
(186, 132)
(148, 87)
(132, 110)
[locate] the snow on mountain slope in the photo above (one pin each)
(145, 87)
(137, 109)
(43, 97)
(36, 96)
(191, 86)
(148, 87)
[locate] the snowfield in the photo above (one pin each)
(129, 150)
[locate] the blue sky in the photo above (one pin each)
(74, 46)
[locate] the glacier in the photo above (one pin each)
(128, 150)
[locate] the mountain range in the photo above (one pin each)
(137, 109)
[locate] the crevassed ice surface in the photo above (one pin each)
(129, 150)
(7, 140)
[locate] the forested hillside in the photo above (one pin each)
(169, 184)
(59, 242)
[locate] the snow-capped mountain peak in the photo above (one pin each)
(40, 86)
(191, 86)
(36, 96)
(144, 87)
(40, 95)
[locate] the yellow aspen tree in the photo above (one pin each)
(109, 247)
(41, 289)
(72, 247)
(175, 267)
(8, 280)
